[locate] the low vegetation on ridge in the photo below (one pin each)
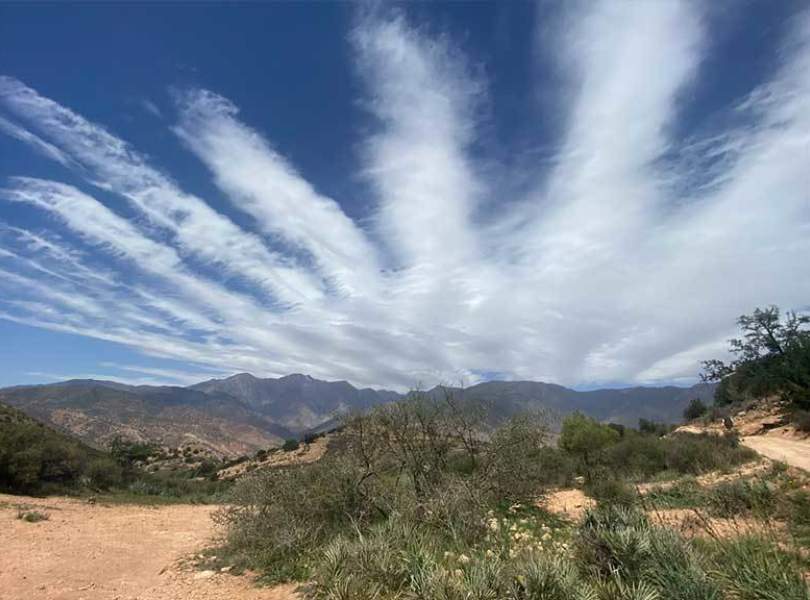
(428, 499)
(414, 501)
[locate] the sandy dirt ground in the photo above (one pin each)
(796, 453)
(570, 503)
(121, 552)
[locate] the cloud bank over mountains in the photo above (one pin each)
(626, 261)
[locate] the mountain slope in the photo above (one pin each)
(98, 411)
(625, 405)
(243, 413)
(33, 454)
(297, 402)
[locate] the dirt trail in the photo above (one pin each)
(796, 453)
(122, 552)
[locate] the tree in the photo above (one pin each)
(695, 410)
(290, 445)
(772, 357)
(586, 438)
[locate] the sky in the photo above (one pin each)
(585, 193)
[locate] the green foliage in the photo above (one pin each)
(424, 460)
(653, 428)
(34, 457)
(684, 493)
(611, 491)
(425, 500)
(755, 568)
(797, 515)
(773, 356)
(638, 456)
(696, 454)
(517, 465)
(129, 452)
(695, 410)
(104, 473)
(312, 436)
(165, 487)
(290, 445)
(32, 516)
(586, 438)
(801, 418)
(734, 498)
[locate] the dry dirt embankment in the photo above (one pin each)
(121, 552)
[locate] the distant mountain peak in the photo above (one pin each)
(243, 412)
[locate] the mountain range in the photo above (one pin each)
(243, 413)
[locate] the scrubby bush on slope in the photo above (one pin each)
(35, 458)
(422, 499)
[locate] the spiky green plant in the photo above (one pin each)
(754, 568)
(547, 578)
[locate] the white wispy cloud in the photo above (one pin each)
(626, 262)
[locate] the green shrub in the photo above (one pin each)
(290, 445)
(614, 540)
(694, 410)
(685, 493)
(637, 456)
(801, 418)
(32, 516)
(517, 465)
(644, 456)
(797, 514)
(311, 437)
(33, 457)
(612, 491)
(275, 517)
(587, 439)
(653, 428)
(755, 568)
(104, 473)
(549, 578)
(733, 498)
(129, 452)
(695, 454)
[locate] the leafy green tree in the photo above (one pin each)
(771, 357)
(290, 445)
(586, 438)
(649, 427)
(128, 453)
(695, 410)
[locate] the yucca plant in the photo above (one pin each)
(549, 578)
(615, 540)
(616, 588)
(677, 570)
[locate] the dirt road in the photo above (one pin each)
(793, 452)
(122, 552)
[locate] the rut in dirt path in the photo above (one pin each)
(122, 552)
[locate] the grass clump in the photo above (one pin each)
(683, 493)
(32, 516)
(756, 568)
(739, 497)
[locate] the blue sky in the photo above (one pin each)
(584, 192)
